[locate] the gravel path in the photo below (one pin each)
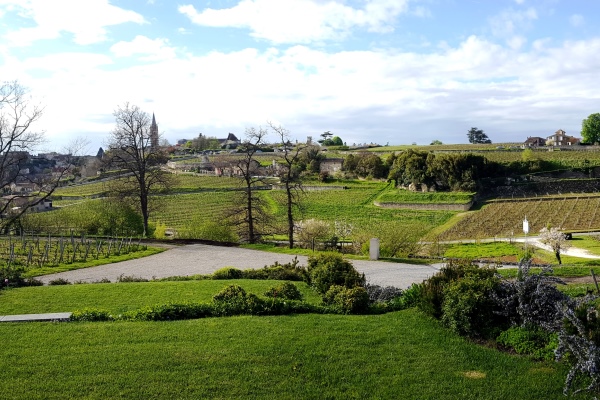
(204, 259)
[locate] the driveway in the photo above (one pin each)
(205, 259)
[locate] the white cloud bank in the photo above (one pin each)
(300, 21)
(382, 96)
(86, 20)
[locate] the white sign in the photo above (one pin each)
(525, 226)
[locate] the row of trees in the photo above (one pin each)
(131, 152)
(18, 116)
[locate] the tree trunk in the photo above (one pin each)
(290, 216)
(251, 239)
(558, 257)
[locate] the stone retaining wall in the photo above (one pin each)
(427, 206)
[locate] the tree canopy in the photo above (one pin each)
(590, 129)
(477, 136)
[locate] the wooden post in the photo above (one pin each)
(595, 281)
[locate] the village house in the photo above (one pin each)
(535, 141)
(560, 138)
(331, 165)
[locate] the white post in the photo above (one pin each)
(374, 249)
(525, 231)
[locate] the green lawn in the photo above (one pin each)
(480, 250)
(397, 355)
(120, 297)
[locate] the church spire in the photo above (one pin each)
(154, 133)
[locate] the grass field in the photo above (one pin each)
(396, 355)
(405, 196)
(120, 297)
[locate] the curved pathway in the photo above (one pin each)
(205, 259)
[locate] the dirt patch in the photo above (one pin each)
(474, 374)
(578, 279)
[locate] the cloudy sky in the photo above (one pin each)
(382, 71)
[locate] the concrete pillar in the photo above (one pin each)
(374, 249)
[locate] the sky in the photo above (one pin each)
(369, 71)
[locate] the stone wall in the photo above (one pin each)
(427, 206)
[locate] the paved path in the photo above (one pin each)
(204, 259)
(50, 317)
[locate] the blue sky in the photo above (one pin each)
(382, 71)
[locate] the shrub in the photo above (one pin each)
(286, 290)
(382, 293)
(170, 312)
(291, 271)
(347, 300)
(130, 278)
(309, 231)
(433, 289)
(533, 299)
(533, 341)
(232, 300)
(59, 281)
(228, 273)
(103, 280)
(326, 270)
(468, 307)
(577, 342)
(12, 276)
(91, 315)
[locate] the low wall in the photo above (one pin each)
(427, 206)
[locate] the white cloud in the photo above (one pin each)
(86, 20)
(384, 95)
(150, 49)
(576, 20)
(300, 21)
(511, 22)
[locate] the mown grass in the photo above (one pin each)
(479, 250)
(120, 297)
(396, 355)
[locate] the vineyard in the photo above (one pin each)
(35, 251)
(505, 219)
(405, 196)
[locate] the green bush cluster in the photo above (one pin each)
(347, 300)
(533, 341)
(286, 291)
(328, 269)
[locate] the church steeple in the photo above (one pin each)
(154, 133)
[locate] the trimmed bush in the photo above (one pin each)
(228, 273)
(432, 290)
(59, 281)
(469, 309)
(286, 291)
(347, 300)
(329, 269)
(91, 315)
(170, 312)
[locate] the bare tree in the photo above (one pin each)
(288, 171)
(132, 151)
(21, 182)
(250, 215)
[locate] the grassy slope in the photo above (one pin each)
(397, 355)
